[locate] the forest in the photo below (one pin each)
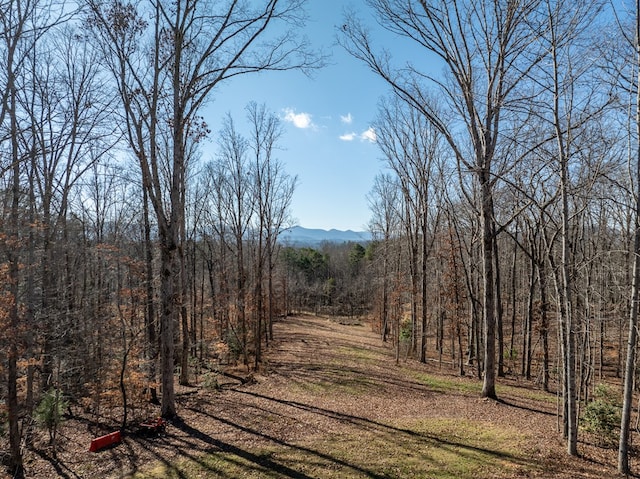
(505, 225)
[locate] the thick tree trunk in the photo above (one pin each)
(168, 317)
(150, 326)
(486, 223)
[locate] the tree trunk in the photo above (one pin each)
(513, 297)
(486, 223)
(258, 299)
(423, 293)
(570, 334)
(150, 327)
(16, 466)
(385, 287)
(627, 399)
(498, 305)
(169, 271)
(544, 325)
(528, 323)
(629, 370)
(184, 320)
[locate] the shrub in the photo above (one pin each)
(406, 331)
(234, 345)
(510, 354)
(211, 381)
(49, 412)
(602, 415)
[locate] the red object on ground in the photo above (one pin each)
(104, 441)
(154, 425)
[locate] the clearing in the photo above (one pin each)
(332, 403)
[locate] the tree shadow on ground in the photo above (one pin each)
(258, 460)
(61, 469)
(375, 432)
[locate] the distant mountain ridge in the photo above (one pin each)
(299, 236)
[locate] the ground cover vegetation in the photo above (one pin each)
(506, 241)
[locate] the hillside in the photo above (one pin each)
(332, 403)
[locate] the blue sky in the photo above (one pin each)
(328, 142)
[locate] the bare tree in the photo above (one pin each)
(487, 49)
(626, 76)
(273, 191)
(412, 149)
(573, 106)
(235, 201)
(265, 133)
(165, 70)
(384, 204)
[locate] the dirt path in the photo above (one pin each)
(333, 399)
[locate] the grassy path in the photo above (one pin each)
(333, 404)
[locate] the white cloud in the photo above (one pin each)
(348, 137)
(369, 135)
(348, 119)
(299, 120)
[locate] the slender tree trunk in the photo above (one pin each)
(123, 388)
(184, 319)
(241, 301)
(544, 325)
(423, 292)
(16, 466)
(258, 298)
(270, 301)
(528, 323)
(513, 298)
(15, 459)
(498, 305)
(629, 371)
(385, 288)
(601, 337)
(195, 308)
(627, 400)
